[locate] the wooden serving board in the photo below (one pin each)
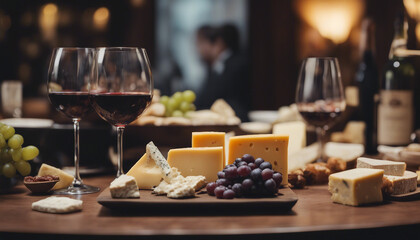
(284, 201)
(415, 195)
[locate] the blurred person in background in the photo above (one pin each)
(227, 69)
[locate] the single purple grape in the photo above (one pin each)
(210, 188)
(237, 188)
(271, 186)
(248, 158)
(265, 165)
(244, 171)
(237, 161)
(223, 182)
(247, 184)
(228, 166)
(256, 174)
(221, 174)
(228, 194)
(231, 173)
(278, 178)
(242, 163)
(219, 190)
(252, 166)
(266, 174)
(258, 161)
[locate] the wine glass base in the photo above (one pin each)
(77, 189)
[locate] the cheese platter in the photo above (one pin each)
(284, 200)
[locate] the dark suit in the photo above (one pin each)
(232, 84)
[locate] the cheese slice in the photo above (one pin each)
(301, 158)
(389, 167)
(270, 147)
(357, 186)
(57, 205)
(204, 161)
(402, 184)
(65, 178)
(209, 139)
(418, 177)
(146, 173)
(124, 187)
(296, 132)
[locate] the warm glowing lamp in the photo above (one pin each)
(413, 10)
(48, 19)
(100, 18)
(333, 19)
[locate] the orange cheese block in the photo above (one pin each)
(209, 139)
(205, 161)
(270, 147)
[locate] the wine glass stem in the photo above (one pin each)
(320, 132)
(120, 132)
(77, 180)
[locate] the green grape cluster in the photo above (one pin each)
(179, 104)
(13, 157)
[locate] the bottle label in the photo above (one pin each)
(395, 117)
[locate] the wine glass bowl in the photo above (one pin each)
(122, 88)
(319, 95)
(69, 77)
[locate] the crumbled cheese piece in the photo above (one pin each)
(124, 187)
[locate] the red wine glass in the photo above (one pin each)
(319, 95)
(122, 88)
(69, 76)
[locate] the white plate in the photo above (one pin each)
(256, 127)
(28, 122)
(263, 116)
(411, 158)
(400, 154)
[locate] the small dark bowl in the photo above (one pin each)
(40, 187)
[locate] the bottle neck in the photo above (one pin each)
(367, 38)
(400, 36)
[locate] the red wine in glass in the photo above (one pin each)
(122, 89)
(69, 76)
(120, 108)
(319, 119)
(319, 95)
(72, 104)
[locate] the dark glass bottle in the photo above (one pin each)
(368, 83)
(396, 110)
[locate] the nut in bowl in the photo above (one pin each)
(40, 184)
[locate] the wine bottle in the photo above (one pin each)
(368, 83)
(395, 110)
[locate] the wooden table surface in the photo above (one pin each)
(313, 215)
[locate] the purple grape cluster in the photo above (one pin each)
(246, 177)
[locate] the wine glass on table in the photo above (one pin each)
(122, 88)
(319, 95)
(69, 76)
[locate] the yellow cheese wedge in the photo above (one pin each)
(296, 132)
(356, 186)
(209, 139)
(65, 178)
(146, 173)
(270, 147)
(205, 161)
